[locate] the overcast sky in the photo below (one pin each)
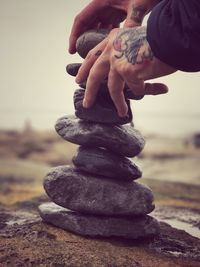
(33, 56)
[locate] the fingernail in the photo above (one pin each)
(77, 80)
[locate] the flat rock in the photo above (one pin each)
(89, 40)
(103, 110)
(122, 139)
(86, 193)
(104, 226)
(103, 162)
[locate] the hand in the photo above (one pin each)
(98, 14)
(109, 14)
(126, 58)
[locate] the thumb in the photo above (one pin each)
(135, 15)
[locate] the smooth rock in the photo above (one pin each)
(72, 69)
(103, 162)
(104, 226)
(122, 139)
(91, 194)
(103, 110)
(89, 40)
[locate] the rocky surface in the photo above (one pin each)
(33, 243)
(89, 40)
(103, 162)
(99, 226)
(124, 140)
(103, 110)
(90, 194)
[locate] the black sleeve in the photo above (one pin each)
(173, 32)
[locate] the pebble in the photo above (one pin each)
(121, 139)
(102, 162)
(103, 110)
(89, 40)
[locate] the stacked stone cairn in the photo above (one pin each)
(99, 195)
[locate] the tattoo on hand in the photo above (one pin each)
(98, 53)
(133, 45)
(138, 14)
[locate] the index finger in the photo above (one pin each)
(98, 72)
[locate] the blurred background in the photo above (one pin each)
(35, 91)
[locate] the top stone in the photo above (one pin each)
(89, 40)
(121, 139)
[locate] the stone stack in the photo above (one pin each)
(99, 195)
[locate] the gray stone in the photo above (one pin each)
(122, 139)
(86, 193)
(103, 110)
(89, 40)
(104, 226)
(72, 69)
(103, 162)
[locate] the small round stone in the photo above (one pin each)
(89, 40)
(72, 69)
(103, 162)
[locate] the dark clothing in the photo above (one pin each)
(173, 32)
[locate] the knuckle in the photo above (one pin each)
(92, 74)
(89, 55)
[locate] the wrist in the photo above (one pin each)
(119, 4)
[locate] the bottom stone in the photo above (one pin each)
(104, 226)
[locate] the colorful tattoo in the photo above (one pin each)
(133, 45)
(98, 53)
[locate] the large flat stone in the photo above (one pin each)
(103, 226)
(86, 193)
(103, 110)
(103, 162)
(89, 40)
(122, 139)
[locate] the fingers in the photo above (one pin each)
(135, 15)
(116, 86)
(89, 61)
(98, 72)
(82, 22)
(136, 86)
